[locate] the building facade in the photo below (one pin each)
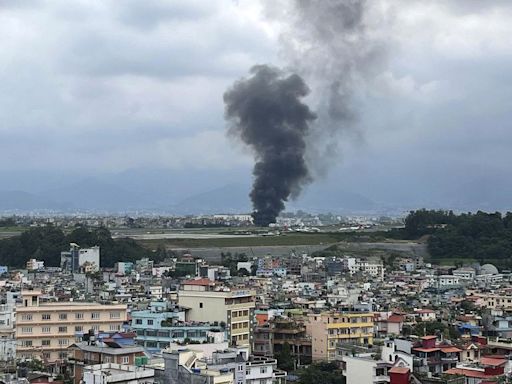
(327, 329)
(46, 330)
(234, 309)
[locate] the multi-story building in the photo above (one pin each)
(367, 268)
(34, 265)
(158, 327)
(228, 366)
(117, 373)
(93, 352)
(7, 332)
(207, 303)
(327, 329)
(46, 330)
(270, 338)
(76, 259)
(365, 370)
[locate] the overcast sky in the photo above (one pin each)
(105, 87)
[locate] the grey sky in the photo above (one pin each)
(106, 87)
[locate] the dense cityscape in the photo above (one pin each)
(374, 305)
(255, 192)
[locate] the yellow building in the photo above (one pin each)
(205, 302)
(46, 330)
(327, 329)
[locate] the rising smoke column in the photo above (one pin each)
(338, 47)
(267, 114)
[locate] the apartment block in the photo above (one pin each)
(46, 330)
(205, 302)
(327, 329)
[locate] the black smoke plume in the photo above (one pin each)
(267, 114)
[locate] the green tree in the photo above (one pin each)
(285, 359)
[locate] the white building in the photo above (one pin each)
(117, 373)
(35, 265)
(91, 256)
(466, 273)
(446, 281)
(398, 353)
(365, 370)
(367, 268)
(7, 332)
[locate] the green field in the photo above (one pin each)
(242, 241)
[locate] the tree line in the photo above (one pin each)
(46, 243)
(481, 236)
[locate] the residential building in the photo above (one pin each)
(76, 259)
(233, 308)
(7, 332)
(93, 352)
(46, 330)
(270, 338)
(34, 265)
(327, 329)
(118, 374)
(365, 370)
(157, 328)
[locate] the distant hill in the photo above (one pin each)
(231, 198)
(24, 201)
(92, 194)
(234, 198)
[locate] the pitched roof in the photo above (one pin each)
(492, 361)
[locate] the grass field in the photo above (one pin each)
(288, 239)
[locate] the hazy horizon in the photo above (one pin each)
(130, 96)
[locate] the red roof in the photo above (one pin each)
(468, 373)
(395, 319)
(428, 337)
(203, 282)
(492, 361)
(450, 349)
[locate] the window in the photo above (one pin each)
(79, 328)
(63, 329)
(79, 316)
(26, 317)
(45, 343)
(45, 329)
(63, 355)
(115, 315)
(26, 329)
(63, 316)
(26, 343)
(107, 359)
(63, 342)
(246, 312)
(46, 316)
(115, 327)
(95, 315)
(96, 328)
(263, 370)
(138, 321)
(125, 359)
(150, 322)
(46, 355)
(200, 305)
